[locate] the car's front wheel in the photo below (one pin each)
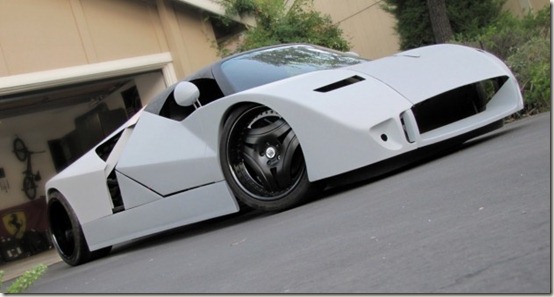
(67, 235)
(262, 160)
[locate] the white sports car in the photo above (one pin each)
(266, 129)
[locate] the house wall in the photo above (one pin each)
(50, 34)
(369, 29)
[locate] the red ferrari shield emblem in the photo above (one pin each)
(15, 223)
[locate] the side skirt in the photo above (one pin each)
(181, 209)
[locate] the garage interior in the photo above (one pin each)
(56, 125)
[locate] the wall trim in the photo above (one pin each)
(218, 9)
(85, 73)
(210, 6)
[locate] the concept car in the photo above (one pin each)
(266, 129)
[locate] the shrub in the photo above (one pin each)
(277, 22)
(524, 44)
(531, 65)
(26, 280)
(414, 25)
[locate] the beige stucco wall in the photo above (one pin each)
(118, 29)
(190, 37)
(369, 29)
(198, 37)
(520, 7)
(37, 35)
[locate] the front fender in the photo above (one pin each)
(339, 130)
(83, 184)
(343, 129)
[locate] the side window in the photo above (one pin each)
(174, 111)
(209, 91)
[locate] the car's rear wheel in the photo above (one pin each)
(67, 234)
(262, 160)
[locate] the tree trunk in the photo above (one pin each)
(439, 21)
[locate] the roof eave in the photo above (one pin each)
(215, 8)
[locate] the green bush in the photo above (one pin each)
(277, 22)
(466, 17)
(524, 44)
(500, 38)
(531, 65)
(239, 7)
(26, 280)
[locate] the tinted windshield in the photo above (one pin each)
(265, 66)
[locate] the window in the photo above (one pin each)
(262, 67)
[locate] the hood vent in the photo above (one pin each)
(340, 84)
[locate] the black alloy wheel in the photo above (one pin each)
(262, 159)
(67, 235)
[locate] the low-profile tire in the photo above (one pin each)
(262, 160)
(67, 234)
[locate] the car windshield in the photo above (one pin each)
(262, 67)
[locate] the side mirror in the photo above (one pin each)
(186, 93)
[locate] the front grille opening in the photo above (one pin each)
(456, 104)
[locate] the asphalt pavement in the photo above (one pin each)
(477, 220)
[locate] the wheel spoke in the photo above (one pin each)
(284, 167)
(68, 235)
(273, 131)
(276, 176)
(262, 171)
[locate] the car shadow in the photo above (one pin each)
(347, 186)
(189, 231)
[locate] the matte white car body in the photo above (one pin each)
(169, 171)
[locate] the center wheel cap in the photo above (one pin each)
(270, 152)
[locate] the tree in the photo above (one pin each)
(277, 22)
(414, 26)
(440, 23)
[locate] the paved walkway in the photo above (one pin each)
(18, 267)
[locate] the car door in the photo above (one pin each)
(163, 157)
